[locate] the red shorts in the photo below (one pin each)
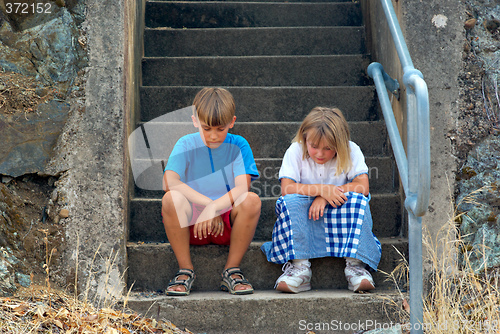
(223, 239)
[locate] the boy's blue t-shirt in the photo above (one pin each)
(211, 172)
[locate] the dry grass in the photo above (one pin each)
(44, 309)
(40, 310)
(459, 300)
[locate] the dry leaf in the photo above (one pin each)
(406, 306)
(58, 323)
(90, 318)
(40, 311)
(111, 331)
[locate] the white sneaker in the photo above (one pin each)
(295, 278)
(359, 278)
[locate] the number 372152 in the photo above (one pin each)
(25, 8)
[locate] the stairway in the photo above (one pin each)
(279, 60)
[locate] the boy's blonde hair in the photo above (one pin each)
(214, 106)
(327, 124)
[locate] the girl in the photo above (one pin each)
(323, 210)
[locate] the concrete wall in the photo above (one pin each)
(435, 45)
(93, 151)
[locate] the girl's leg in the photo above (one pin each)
(244, 217)
(176, 211)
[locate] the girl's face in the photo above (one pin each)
(320, 152)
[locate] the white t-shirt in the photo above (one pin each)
(308, 172)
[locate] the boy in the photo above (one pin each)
(207, 200)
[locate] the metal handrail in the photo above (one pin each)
(414, 167)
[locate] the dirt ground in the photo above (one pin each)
(19, 93)
(30, 226)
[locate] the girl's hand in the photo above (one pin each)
(205, 222)
(317, 208)
(333, 195)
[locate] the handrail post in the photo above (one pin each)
(414, 166)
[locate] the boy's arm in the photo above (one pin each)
(242, 186)
(360, 184)
(172, 181)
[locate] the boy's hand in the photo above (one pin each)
(317, 208)
(205, 222)
(217, 226)
(333, 195)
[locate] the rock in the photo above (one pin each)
(7, 274)
(470, 23)
(479, 201)
(492, 25)
(33, 135)
(47, 51)
(64, 213)
(6, 179)
(23, 280)
(394, 329)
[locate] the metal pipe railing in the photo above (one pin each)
(414, 167)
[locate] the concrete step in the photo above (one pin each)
(256, 0)
(382, 174)
(253, 41)
(223, 14)
(151, 266)
(146, 222)
(267, 139)
(318, 311)
(268, 104)
(284, 71)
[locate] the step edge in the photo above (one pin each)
(371, 87)
(363, 55)
(258, 123)
(266, 295)
(360, 27)
(388, 157)
(254, 244)
(379, 195)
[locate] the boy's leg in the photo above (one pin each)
(244, 217)
(176, 211)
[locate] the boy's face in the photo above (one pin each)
(212, 136)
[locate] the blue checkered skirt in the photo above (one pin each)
(345, 231)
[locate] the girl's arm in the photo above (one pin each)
(333, 194)
(360, 184)
(172, 181)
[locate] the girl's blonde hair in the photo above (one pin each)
(327, 124)
(214, 106)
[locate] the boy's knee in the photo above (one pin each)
(252, 202)
(173, 201)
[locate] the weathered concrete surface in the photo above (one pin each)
(436, 51)
(323, 311)
(91, 150)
